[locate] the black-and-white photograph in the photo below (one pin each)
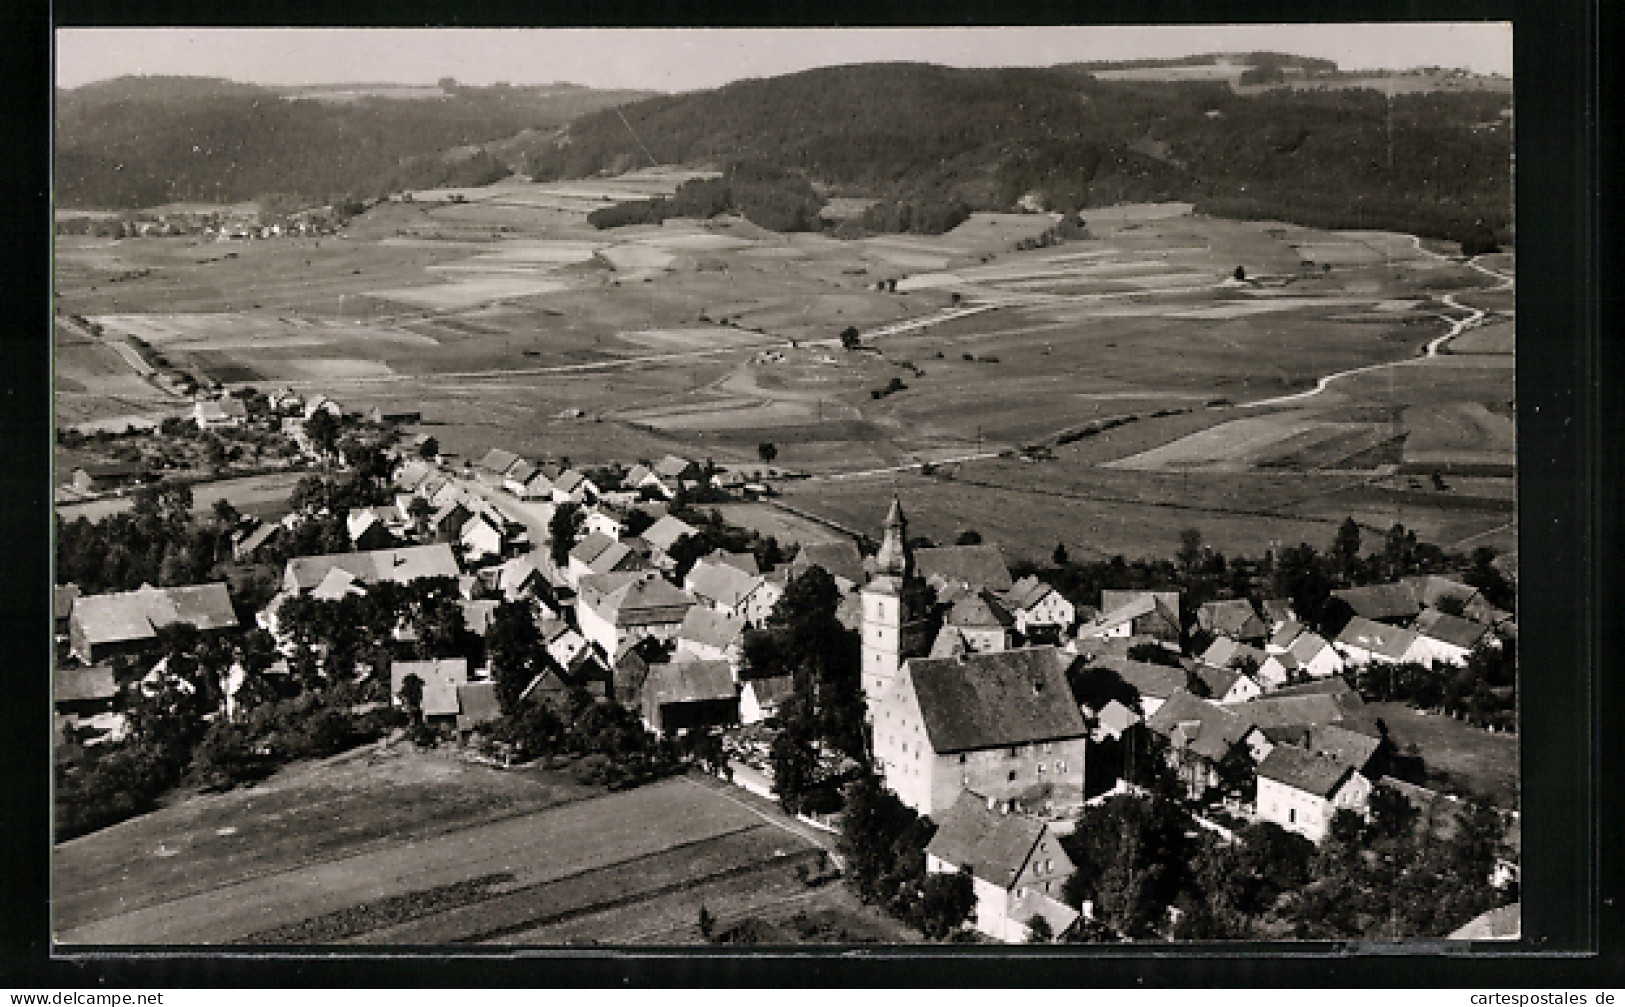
(785, 487)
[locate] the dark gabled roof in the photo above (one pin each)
(62, 597)
(672, 466)
(839, 559)
(665, 532)
(950, 642)
(1131, 605)
(135, 615)
(1447, 628)
(1332, 686)
(1380, 601)
(1219, 681)
(252, 542)
(477, 704)
(497, 461)
(976, 565)
(401, 565)
(720, 583)
(771, 692)
(1313, 774)
(711, 628)
(1233, 617)
(1111, 599)
(1352, 748)
(1306, 645)
(1155, 680)
(590, 547)
(1276, 710)
(689, 682)
(1026, 592)
(1378, 638)
(1208, 729)
(440, 681)
(1430, 589)
(1225, 652)
(477, 615)
(994, 845)
(1278, 609)
(1011, 697)
(744, 562)
(1289, 631)
(568, 480)
(979, 610)
(74, 685)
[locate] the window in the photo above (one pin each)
(1046, 886)
(1292, 814)
(1012, 776)
(961, 758)
(1047, 866)
(1040, 769)
(1021, 893)
(1047, 747)
(1060, 767)
(1015, 750)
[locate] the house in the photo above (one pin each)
(1448, 638)
(562, 641)
(517, 477)
(337, 584)
(972, 566)
(1034, 603)
(478, 614)
(665, 532)
(745, 562)
(760, 698)
(211, 414)
(1388, 603)
(323, 404)
(670, 476)
(709, 635)
(62, 598)
(1135, 613)
(571, 486)
(481, 538)
(631, 670)
(102, 625)
(447, 520)
(440, 679)
(980, 620)
(1278, 611)
(613, 608)
(477, 705)
(84, 692)
(1201, 735)
(1434, 591)
(1335, 687)
(1302, 791)
(1155, 683)
(1364, 641)
(682, 695)
(1227, 685)
(536, 485)
(637, 477)
(367, 529)
(513, 579)
(245, 548)
(1016, 863)
(584, 552)
(839, 559)
(605, 522)
(1224, 652)
(1235, 619)
(99, 477)
(400, 566)
(1002, 724)
(724, 588)
(495, 463)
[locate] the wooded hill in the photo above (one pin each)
(144, 141)
(1430, 164)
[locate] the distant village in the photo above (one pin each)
(993, 704)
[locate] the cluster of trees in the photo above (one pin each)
(138, 142)
(766, 195)
(884, 841)
(1483, 691)
(156, 542)
(931, 135)
(1148, 872)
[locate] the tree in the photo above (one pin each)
(412, 697)
(707, 922)
(969, 536)
(420, 510)
(562, 530)
(851, 339)
(1346, 549)
(323, 431)
(1059, 557)
(946, 902)
(514, 647)
(1038, 930)
(794, 762)
(1154, 653)
(1190, 549)
(767, 451)
(429, 449)
(1240, 274)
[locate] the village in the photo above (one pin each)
(493, 606)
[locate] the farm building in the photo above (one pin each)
(1301, 791)
(246, 547)
(725, 588)
(477, 705)
(761, 698)
(597, 553)
(971, 566)
(1201, 735)
(495, 463)
(62, 599)
(1364, 641)
(1448, 638)
(665, 532)
(980, 621)
(1123, 614)
(1016, 864)
(688, 694)
(212, 414)
(840, 560)
(1155, 683)
(106, 624)
(1227, 684)
(1390, 603)
(99, 477)
(1234, 619)
(709, 635)
(441, 679)
(84, 692)
(1002, 724)
(613, 608)
(400, 566)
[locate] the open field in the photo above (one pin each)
(263, 496)
(397, 847)
(498, 314)
(1458, 757)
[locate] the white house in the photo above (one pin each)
(1016, 863)
(215, 413)
(1364, 641)
(1444, 637)
(563, 643)
(709, 635)
(760, 698)
(1302, 791)
(616, 608)
(1034, 603)
(481, 538)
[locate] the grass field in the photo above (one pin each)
(396, 847)
(1458, 757)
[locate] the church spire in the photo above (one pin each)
(894, 557)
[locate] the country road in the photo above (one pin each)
(1433, 348)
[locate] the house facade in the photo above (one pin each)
(1302, 791)
(1016, 863)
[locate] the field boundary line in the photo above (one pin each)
(815, 838)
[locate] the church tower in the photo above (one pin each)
(896, 606)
